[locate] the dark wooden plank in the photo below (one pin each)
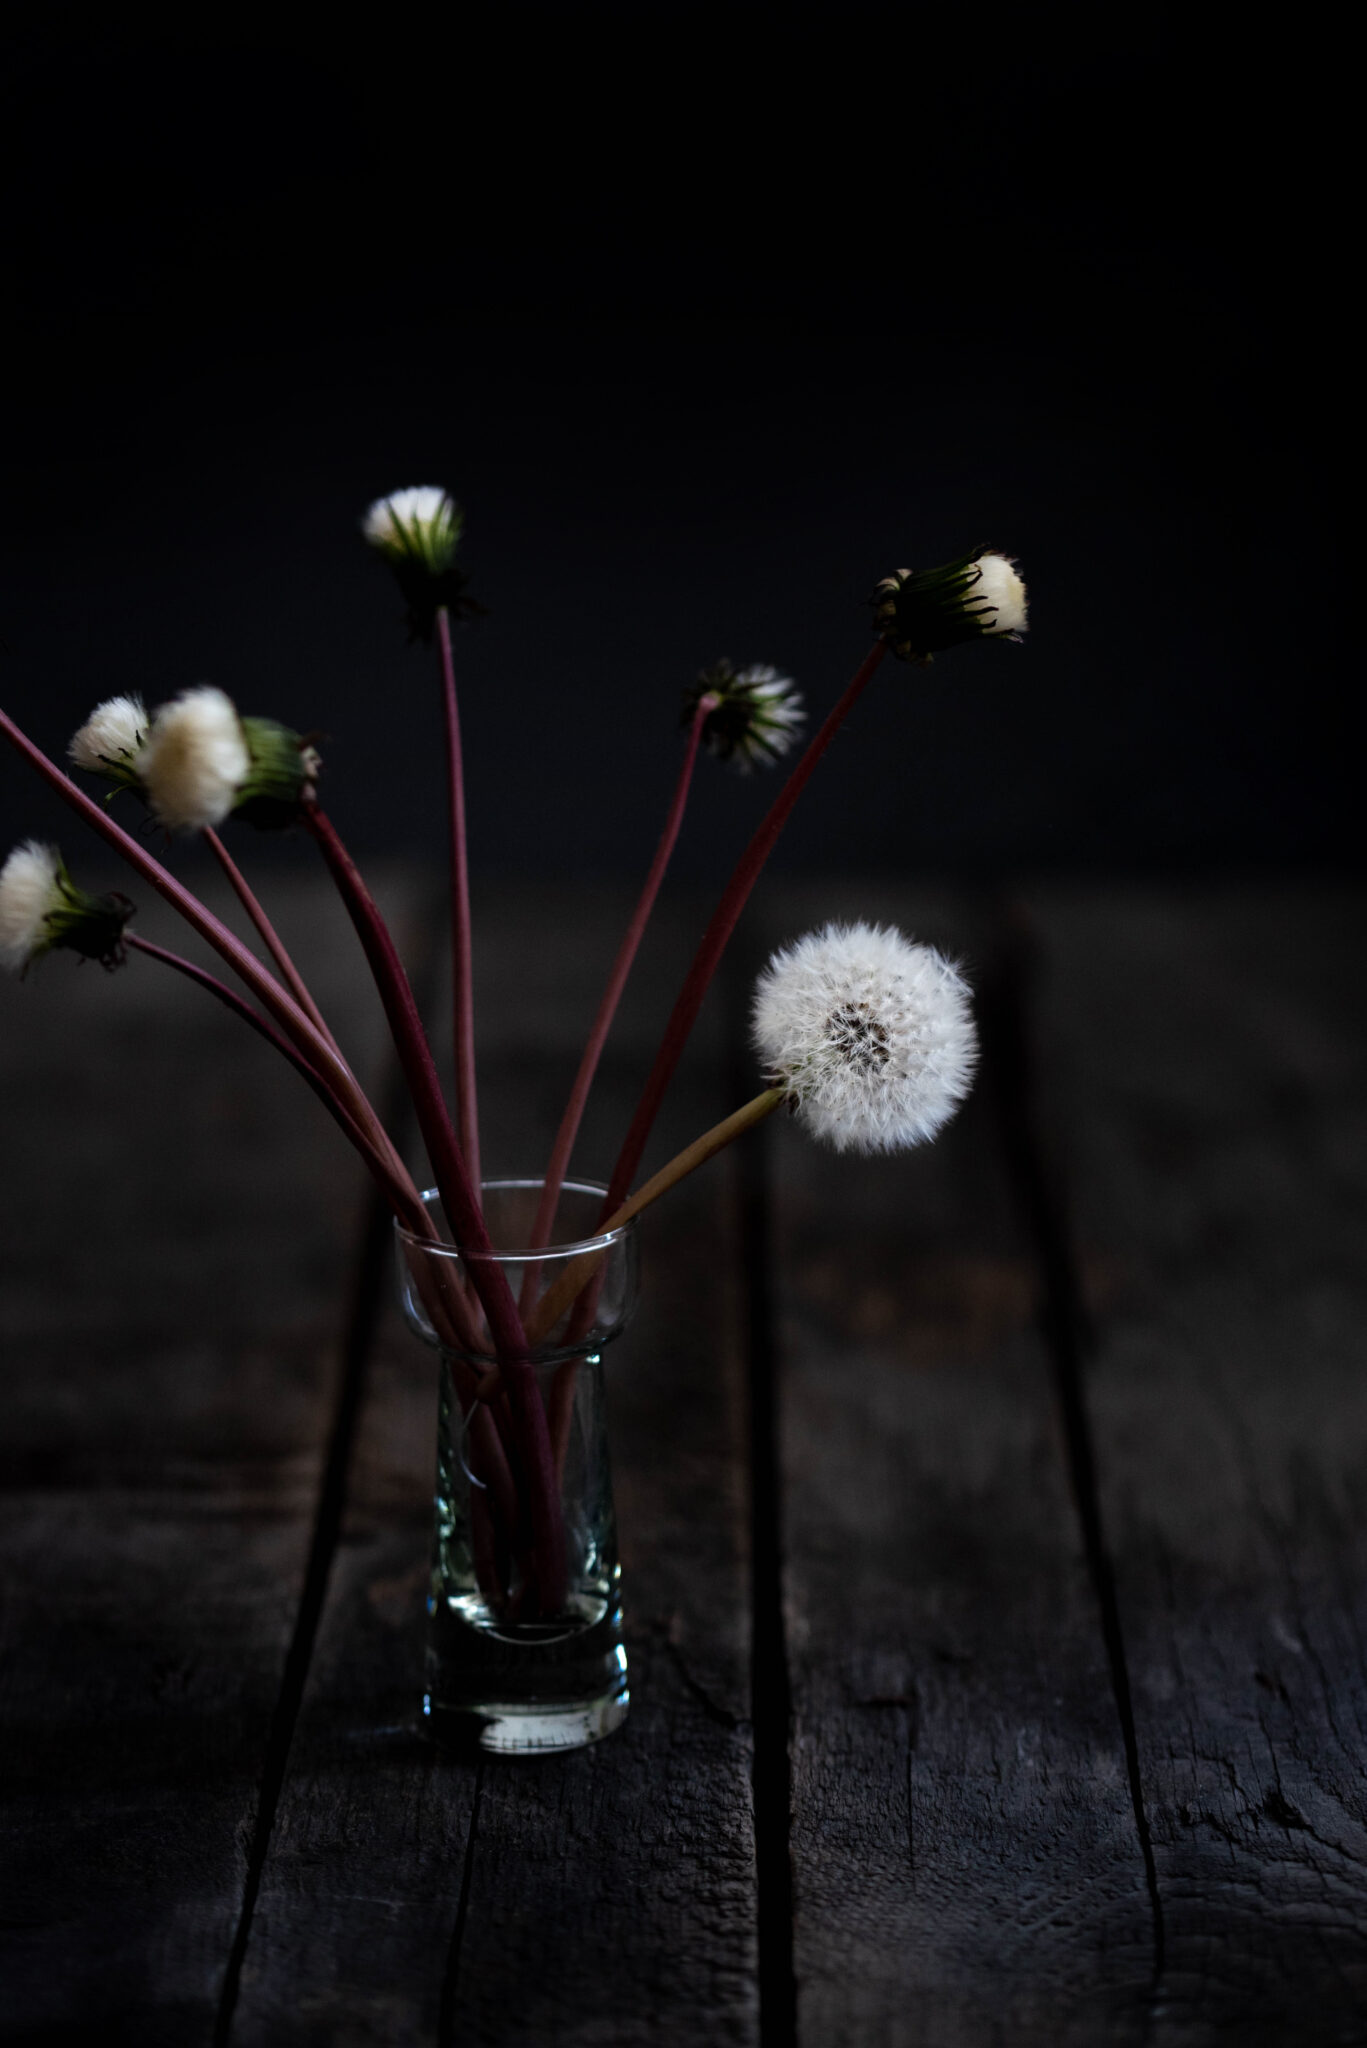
(966, 1866)
(603, 1897)
(178, 1222)
(1209, 1081)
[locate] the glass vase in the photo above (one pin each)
(524, 1644)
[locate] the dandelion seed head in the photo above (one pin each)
(871, 1034)
(111, 738)
(195, 761)
(30, 888)
(421, 524)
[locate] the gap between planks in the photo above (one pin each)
(373, 1254)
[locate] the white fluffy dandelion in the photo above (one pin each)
(41, 907)
(421, 524)
(871, 1035)
(30, 889)
(1001, 594)
(111, 739)
(196, 760)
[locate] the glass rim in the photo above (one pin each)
(571, 1248)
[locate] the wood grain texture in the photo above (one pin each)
(965, 1861)
(179, 1218)
(603, 1897)
(1209, 1080)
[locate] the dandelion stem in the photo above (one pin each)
(244, 963)
(275, 946)
(462, 989)
(386, 1168)
(463, 1212)
(403, 1197)
(571, 1282)
(724, 920)
(612, 994)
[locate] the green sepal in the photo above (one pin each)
(425, 592)
(919, 612)
(283, 767)
(86, 924)
(742, 728)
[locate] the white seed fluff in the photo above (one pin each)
(871, 1034)
(418, 506)
(999, 585)
(195, 760)
(29, 889)
(113, 733)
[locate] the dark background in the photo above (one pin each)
(708, 318)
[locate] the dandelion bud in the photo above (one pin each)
(758, 715)
(417, 532)
(871, 1035)
(111, 741)
(41, 908)
(919, 611)
(283, 771)
(203, 763)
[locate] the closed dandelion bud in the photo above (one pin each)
(920, 611)
(758, 712)
(417, 532)
(111, 741)
(42, 909)
(871, 1035)
(283, 771)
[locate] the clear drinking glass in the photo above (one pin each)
(524, 1649)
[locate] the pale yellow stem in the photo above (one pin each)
(571, 1282)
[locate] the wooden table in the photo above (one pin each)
(994, 1518)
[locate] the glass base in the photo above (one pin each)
(524, 1690)
(510, 1730)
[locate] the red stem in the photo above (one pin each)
(274, 944)
(612, 994)
(334, 1074)
(724, 920)
(407, 1203)
(244, 963)
(462, 973)
(463, 1214)
(385, 1166)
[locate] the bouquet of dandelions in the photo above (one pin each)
(864, 1035)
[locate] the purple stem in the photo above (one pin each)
(714, 939)
(462, 991)
(387, 1170)
(274, 944)
(612, 994)
(244, 963)
(334, 1074)
(463, 1214)
(404, 1200)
